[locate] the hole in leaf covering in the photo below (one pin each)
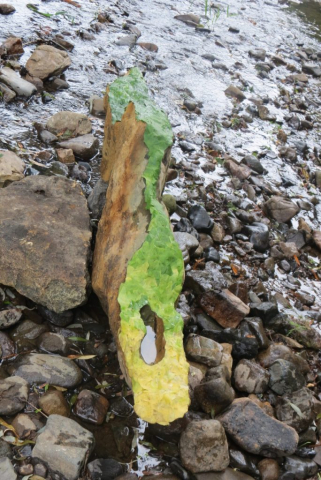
(152, 348)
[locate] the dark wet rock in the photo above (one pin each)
(296, 468)
(60, 319)
(14, 393)
(204, 280)
(121, 408)
(227, 309)
(91, 406)
(264, 310)
(49, 264)
(7, 94)
(6, 9)
(269, 469)
(97, 198)
(5, 449)
(256, 432)
(203, 447)
(200, 219)
(85, 146)
(296, 409)
(256, 328)
(47, 61)
(258, 234)
(27, 330)
(228, 474)
(58, 168)
(239, 171)
(280, 209)
(234, 224)
(243, 461)
(311, 69)
(16, 83)
(285, 378)
(258, 54)
(7, 471)
(7, 347)
(276, 352)
(52, 369)
(190, 19)
(253, 163)
(305, 298)
(250, 377)
(211, 255)
(53, 402)
(235, 92)
(214, 394)
(104, 469)
(187, 243)
(54, 343)
(184, 225)
(204, 350)
(80, 172)
(316, 236)
(186, 146)
(8, 318)
(63, 446)
(69, 124)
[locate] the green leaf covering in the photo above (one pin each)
(154, 274)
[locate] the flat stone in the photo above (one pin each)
(311, 69)
(6, 468)
(85, 146)
(47, 61)
(91, 406)
(204, 350)
(235, 92)
(225, 307)
(53, 402)
(69, 124)
(256, 432)
(277, 351)
(280, 209)
(250, 377)
(14, 393)
(258, 54)
(203, 446)
(190, 19)
(65, 155)
(239, 171)
(16, 83)
(52, 369)
(45, 241)
(11, 167)
(54, 343)
(24, 425)
(64, 446)
(200, 219)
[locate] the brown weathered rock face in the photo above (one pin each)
(227, 309)
(46, 61)
(123, 225)
(45, 241)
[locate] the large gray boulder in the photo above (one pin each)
(64, 446)
(45, 241)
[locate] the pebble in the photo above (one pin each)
(91, 406)
(53, 402)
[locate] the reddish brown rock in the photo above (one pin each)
(13, 46)
(227, 309)
(91, 406)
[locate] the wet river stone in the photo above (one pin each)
(7, 346)
(16, 83)
(47, 61)
(298, 468)
(85, 146)
(52, 369)
(228, 474)
(250, 377)
(256, 432)
(45, 241)
(14, 393)
(285, 378)
(6, 8)
(54, 402)
(91, 406)
(296, 409)
(280, 209)
(225, 307)
(8, 318)
(11, 167)
(203, 446)
(204, 350)
(6, 470)
(63, 446)
(73, 123)
(107, 469)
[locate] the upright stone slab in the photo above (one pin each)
(45, 241)
(138, 267)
